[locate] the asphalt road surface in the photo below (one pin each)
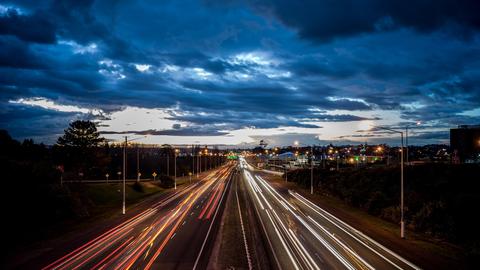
(176, 232)
(301, 235)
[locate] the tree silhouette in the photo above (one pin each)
(81, 134)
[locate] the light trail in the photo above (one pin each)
(341, 224)
(292, 210)
(285, 214)
(208, 232)
(137, 242)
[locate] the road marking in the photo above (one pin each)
(265, 230)
(282, 241)
(320, 258)
(173, 235)
(301, 236)
(243, 232)
(307, 202)
(341, 244)
(209, 229)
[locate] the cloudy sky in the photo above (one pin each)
(235, 72)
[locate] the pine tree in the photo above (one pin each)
(81, 134)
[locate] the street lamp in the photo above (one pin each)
(406, 135)
(211, 161)
(138, 163)
(402, 221)
(124, 167)
(296, 143)
(199, 163)
(193, 162)
(176, 152)
(206, 159)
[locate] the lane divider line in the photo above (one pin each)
(249, 261)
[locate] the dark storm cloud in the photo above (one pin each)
(271, 99)
(323, 117)
(26, 122)
(16, 54)
(188, 131)
(34, 27)
(233, 65)
(230, 120)
(324, 20)
(433, 135)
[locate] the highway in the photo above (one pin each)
(301, 235)
(176, 232)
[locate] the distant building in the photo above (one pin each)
(465, 143)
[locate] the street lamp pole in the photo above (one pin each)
(124, 161)
(124, 168)
(206, 160)
(402, 220)
(176, 151)
(193, 160)
(138, 163)
(311, 169)
(199, 163)
(311, 164)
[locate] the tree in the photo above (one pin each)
(81, 134)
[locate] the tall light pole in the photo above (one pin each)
(199, 163)
(206, 159)
(124, 161)
(311, 164)
(336, 156)
(406, 137)
(210, 160)
(402, 221)
(176, 151)
(193, 161)
(138, 163)
(124, 168)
